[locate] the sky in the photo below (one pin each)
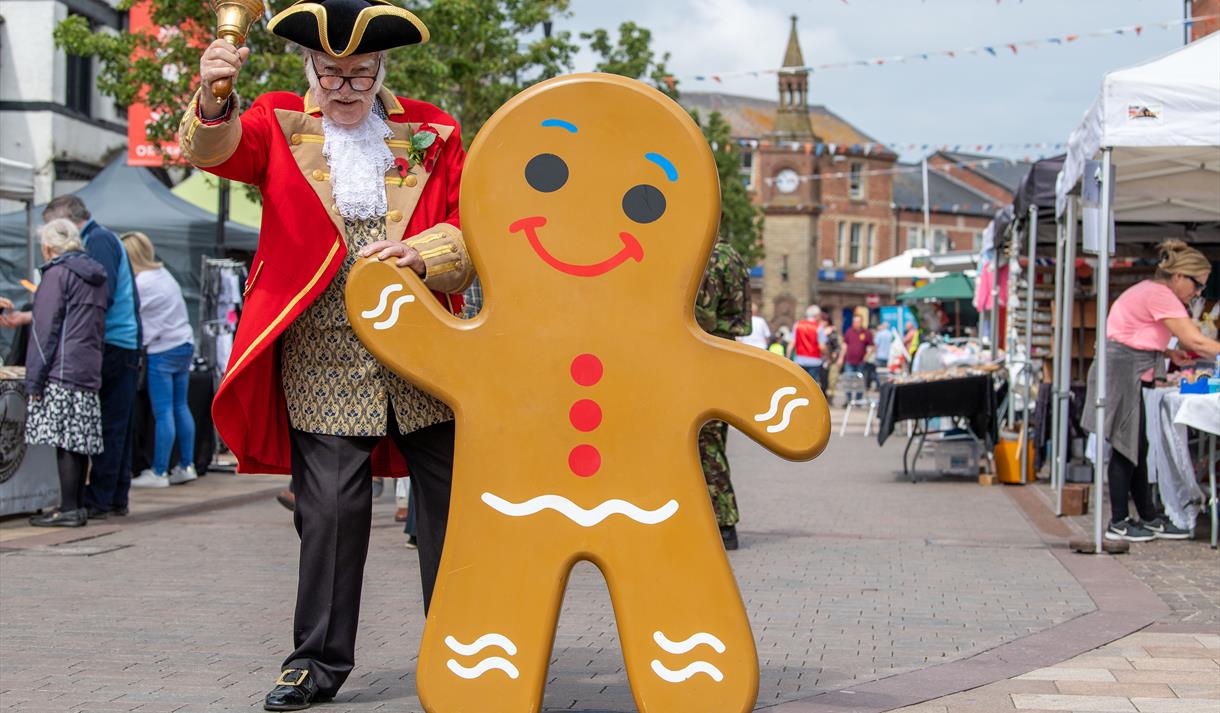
(1037, 95)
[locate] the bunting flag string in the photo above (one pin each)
(869, 148)
(933, 167)
(991, 50)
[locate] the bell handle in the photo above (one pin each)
(222, 88)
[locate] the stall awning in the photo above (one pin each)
(956, 286)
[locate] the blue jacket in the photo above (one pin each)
(122, 298)
(69, 319)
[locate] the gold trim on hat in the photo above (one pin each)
(362, 22)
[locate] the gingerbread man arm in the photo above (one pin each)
(408, 330)
(767, 397)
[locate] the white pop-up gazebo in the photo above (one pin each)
(1157, 126)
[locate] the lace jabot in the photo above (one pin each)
(358, 158)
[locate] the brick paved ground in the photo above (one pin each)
(1141, 673)
(850, 574)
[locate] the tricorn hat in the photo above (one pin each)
(346, 27)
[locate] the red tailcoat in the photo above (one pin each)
(277, 145)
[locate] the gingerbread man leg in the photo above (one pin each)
(495, 635)
(685, 635)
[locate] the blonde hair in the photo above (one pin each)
(140, 251)
(60, 236)
(1178, 258)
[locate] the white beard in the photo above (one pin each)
(358, 158)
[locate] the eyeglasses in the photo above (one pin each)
(360, 83)
(1198, 285)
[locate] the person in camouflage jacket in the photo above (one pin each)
(722, 309)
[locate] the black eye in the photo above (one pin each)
(546, 173)
(644, 203)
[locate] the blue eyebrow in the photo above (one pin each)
(666, 165)
(567, 126)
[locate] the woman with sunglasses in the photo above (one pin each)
(1141, 324)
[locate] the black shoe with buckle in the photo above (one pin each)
(294, 690)
(61, 518)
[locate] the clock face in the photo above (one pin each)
(787, 181)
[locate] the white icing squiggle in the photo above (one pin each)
(686, 673)
(381, 302)
(681, 647)
(481, 643)
(488, 664)
(780, 393)
(393, 318)
(792, 406)
(579, 515)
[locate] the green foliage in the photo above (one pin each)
(741, 222)
(481, 53)
(631, 56)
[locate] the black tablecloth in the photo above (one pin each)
(972, 397)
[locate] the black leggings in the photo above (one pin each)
(1130, 480)
(72, 470)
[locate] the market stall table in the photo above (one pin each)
(1202, 412)
(967, 394)
(29, 480)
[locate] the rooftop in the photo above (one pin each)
(1007, 174)
(754, 118)
(943, 192)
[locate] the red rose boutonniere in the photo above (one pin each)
(424, 146)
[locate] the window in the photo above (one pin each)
(914, 238)
(870, 253)
(79, 84)
(747, 166)
(940, 241)
(976, 242)
(856, 180)
(841, 245)
(853, 251)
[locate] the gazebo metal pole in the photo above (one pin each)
(1014, 264)
(31, 243)
(1064, 346)
(1056, 364)
(1031, 237)
(1103, 300)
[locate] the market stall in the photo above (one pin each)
(1156, 129)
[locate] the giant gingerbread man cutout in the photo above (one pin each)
(589, 203)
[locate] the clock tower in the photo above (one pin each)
(790, 199)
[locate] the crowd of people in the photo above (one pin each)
(105, 310)
(825, 352)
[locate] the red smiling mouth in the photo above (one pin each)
(631, 250)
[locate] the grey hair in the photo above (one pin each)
(60, 236)
(311, 73)
(812, 311)
(70, 207)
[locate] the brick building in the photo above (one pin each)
(837, 200)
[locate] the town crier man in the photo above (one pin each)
(348, 170)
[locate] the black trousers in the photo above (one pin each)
(1130, 480)
(332, 480)
(110, 479)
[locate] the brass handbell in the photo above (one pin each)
(233, 20)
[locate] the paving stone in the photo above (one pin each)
(1100, 704)
(1055, 673)
(1175, 664)
(1175, 705)
(1100, 688)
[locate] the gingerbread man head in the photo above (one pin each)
(593, 185)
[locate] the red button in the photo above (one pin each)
(585, 415)
(586, 370)
(584, 460)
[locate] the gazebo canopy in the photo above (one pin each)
(955, 286)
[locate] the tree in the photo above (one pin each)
(631, 55)
(475, 61)
(741, 222)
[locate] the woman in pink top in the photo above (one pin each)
(1138, 330)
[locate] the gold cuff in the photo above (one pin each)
(207, 145)
(445, 258)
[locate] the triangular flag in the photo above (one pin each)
(990, 51)
(1013, 48)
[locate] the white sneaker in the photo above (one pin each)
(149, 479)
(179, 475)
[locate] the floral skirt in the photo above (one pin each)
(65, 418)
